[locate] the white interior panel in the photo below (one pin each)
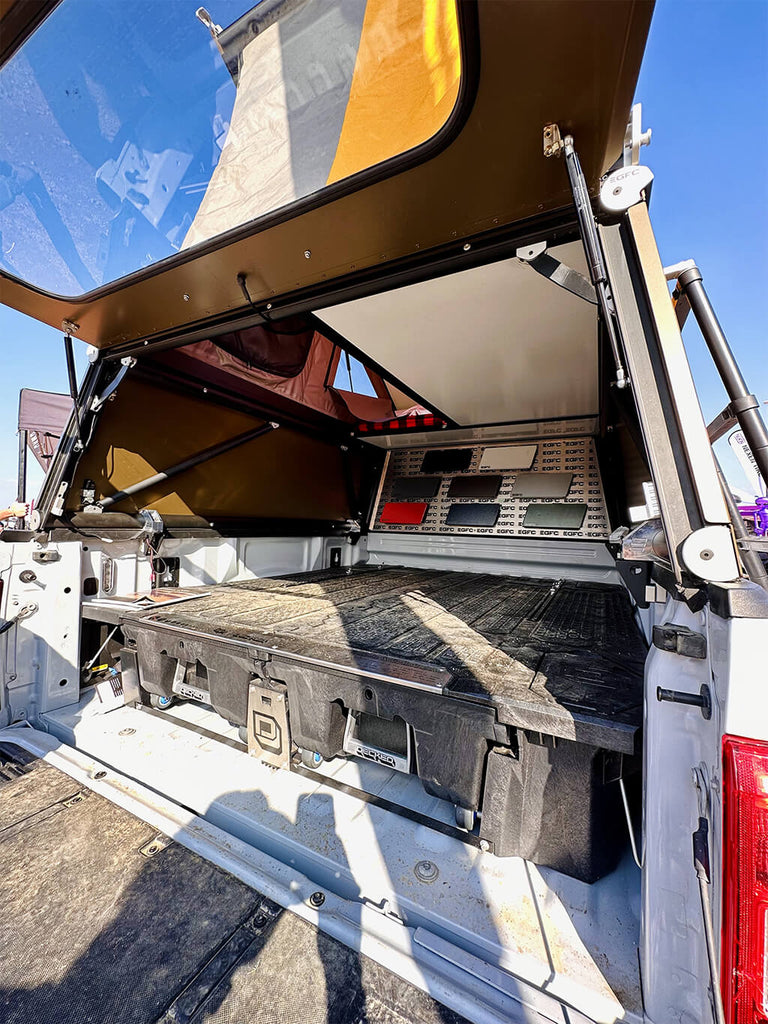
(516, 456)
(492, 344)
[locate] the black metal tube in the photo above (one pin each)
(72, 376)
(746, 408)
(22, 481)
(192, 461)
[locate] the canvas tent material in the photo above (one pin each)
(311, 386)
(43, 415)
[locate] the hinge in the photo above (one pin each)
(537, 257)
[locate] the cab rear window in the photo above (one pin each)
(130, 131)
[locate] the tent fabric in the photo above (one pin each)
(310, 387)
(328, 90)
(43, 414)
(278, 348)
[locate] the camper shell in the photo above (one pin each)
(384, 561)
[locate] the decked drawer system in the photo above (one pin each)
(518, 698)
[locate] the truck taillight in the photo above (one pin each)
(745, 877)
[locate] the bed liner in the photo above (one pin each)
(139, 929)
(559, 657)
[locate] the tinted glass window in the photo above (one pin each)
(133, 129)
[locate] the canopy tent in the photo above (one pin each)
(42, 418)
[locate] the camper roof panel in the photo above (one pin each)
(487, 345)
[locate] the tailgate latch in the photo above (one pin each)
(680, 640)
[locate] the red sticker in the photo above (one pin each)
(404, 513)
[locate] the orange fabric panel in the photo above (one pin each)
(405, 83)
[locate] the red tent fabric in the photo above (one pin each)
(311, 386)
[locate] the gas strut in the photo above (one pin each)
(554, 145)
(193, 460)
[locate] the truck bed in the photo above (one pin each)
(135, 928)
(560, 657)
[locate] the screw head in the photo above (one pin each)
(317, 899)
(485, 845)
(307, 254)
(467, 247)
(426, 871)
(185, 297)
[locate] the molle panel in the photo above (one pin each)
(560, 466)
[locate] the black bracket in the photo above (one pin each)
(536, 257)
(702, 699)
(680, 640)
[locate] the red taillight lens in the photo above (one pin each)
(745, 876)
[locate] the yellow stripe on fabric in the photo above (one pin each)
(405, 82)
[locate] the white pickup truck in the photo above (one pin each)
(384, 644)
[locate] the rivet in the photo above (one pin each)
(706, 554)
(467, 247)
(485, 845)
(426, 871)
(317, 899)
(307, 254)
(185, 297)
(617, 190)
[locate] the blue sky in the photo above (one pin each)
(704, 89)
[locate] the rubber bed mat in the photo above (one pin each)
(102, 920)
(515, 642)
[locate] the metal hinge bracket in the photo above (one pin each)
(537, 257)
(125, 366)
